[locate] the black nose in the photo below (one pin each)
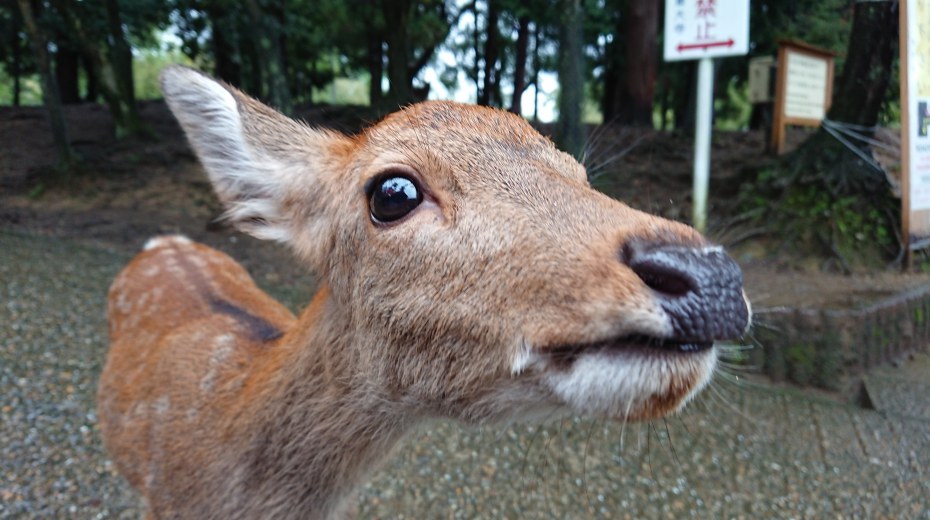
(701, 289)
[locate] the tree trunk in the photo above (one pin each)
(869, 59)
(417, 63)
(227, 68)
(121, 60)
(569, 130)
(491, 51)
(476, 44)
(536, 67)
(375, 66)
(253, 75)
(16, 65)
(271, 55)
(641, 24)
(92, 92)
(519, 67)
(396, 20)
(614, 54)
(684, 105)
(278, 65)
(50, 97)
(610, 99)
(66, 73)
(114, 85)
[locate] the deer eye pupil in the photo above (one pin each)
(394, 197)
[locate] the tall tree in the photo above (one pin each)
(109, 56)
(374, 41)
(397, 14)
(50, 97)
(519, 65)
(637, 88)
(489, 93)
(67, 67)
(224, 39)
(412, 33)
(569, 130)
(120, 54)
(269, 24)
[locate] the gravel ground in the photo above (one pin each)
(741, 451)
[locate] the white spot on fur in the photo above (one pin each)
(522, 359)
(223, 347)
(161, 406)
(165, 241)
(123, 304)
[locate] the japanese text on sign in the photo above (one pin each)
(806, 80)
(706, 28)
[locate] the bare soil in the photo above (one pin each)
(126, 191)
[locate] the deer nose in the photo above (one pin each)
(701, 289)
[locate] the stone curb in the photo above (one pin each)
(832, 349)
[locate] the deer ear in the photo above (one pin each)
(258, 160)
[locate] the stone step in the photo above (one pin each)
(902, 389)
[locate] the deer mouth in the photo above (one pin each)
(629, 378)
(640, 344)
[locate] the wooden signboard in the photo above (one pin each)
(803, 88)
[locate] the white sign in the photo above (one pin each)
(697, 29)
(918, 101)
(805, 85)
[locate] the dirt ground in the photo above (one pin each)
(130, 190)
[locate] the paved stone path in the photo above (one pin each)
(741, 451)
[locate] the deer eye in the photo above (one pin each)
(393, 197)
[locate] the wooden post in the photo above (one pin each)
(905, 136)
(778, 118)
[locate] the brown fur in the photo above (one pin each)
(216, 402)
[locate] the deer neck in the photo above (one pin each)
(325, 427)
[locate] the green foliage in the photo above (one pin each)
(147, 65)
(733, 110)
(853, 227)
(31, 93)
(37, 191)
(810, 217)
(343, 91)
(800, 360)
(591, 112)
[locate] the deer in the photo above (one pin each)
(468, 272)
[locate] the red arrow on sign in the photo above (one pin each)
(705, 46)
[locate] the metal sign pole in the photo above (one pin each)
(703, 30)
(702, 133)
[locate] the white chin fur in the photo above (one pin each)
(621, 385)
